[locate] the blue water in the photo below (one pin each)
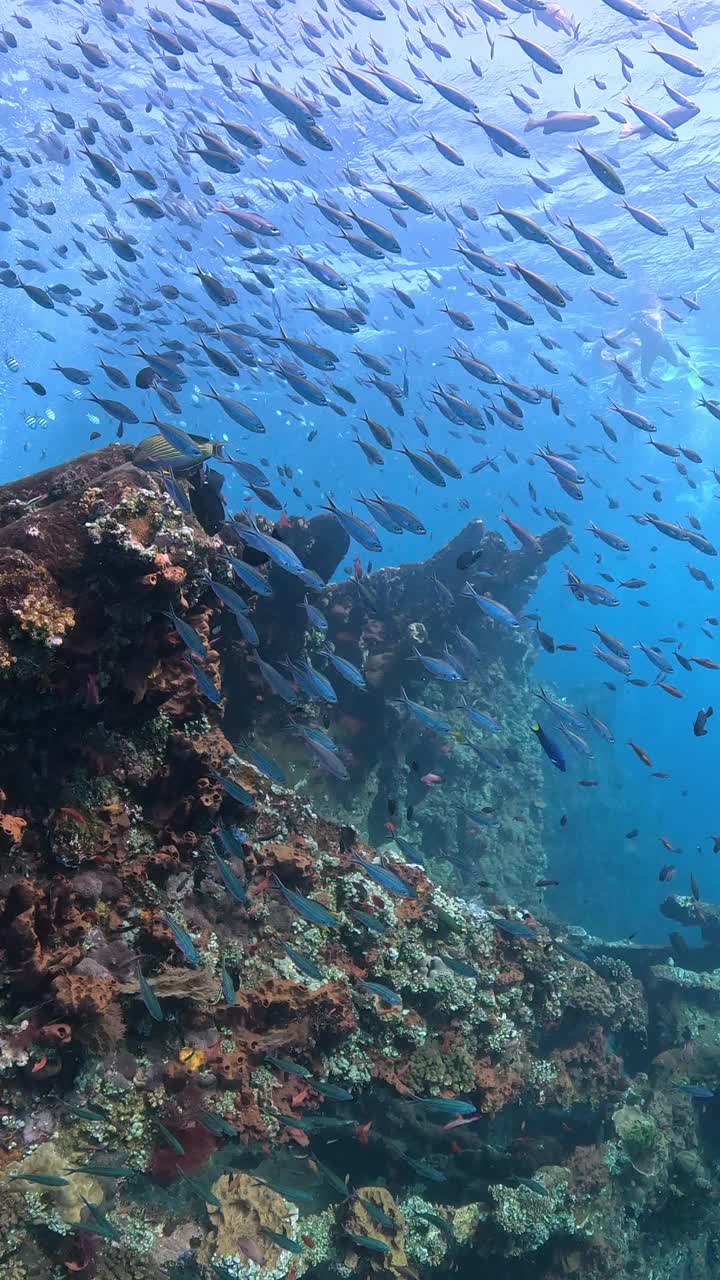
(609, 883)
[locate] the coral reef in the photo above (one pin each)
(241, 1036)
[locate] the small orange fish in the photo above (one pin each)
(40, 1065)
(707, 663)
(640, 753)
(667, 844)
(362, 1132)
(299, 1098)
(660, 775)
(75, 814)
(669, 688)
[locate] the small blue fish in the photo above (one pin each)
(355, 528)
(482, 819)
(150, 1000)
(301, 962)
(228, 986)
(264, 764)
(385, 878)
(311, 731)
(277, 551)
(232, 788)
(205, 684)
(491, 608)
(315, 617)
(461, 967)
(250, 577)
(174, 490)
(448, 1106)
(513, 928)
(409, 851)
(232, 882)
(228, 596)
(247, 629)
(699, 1091)
(431, 719)
(383, 993)
(313, 912)
(440, 668)
(278, 683)
(233, 840)
(312, 682)
(346, 669)
(183, 940)
(370, 922)
(481, 718)
(187, 634)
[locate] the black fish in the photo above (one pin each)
(468, 558)
(701, 720)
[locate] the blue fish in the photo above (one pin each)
(250, 577)
(385, 878)
(232, 840)
(183, 940)
(278, 683)
(187, 634)
(513, 928)
(440, 668)
(549, 746)
(382, 992)
(232, 788)
(311, 731)
(315, 617)
(228, 596)
(431, 719)
(232, 882)
(312, 682)
(481, 718)
(205, 684)
(273, 548)
(228, 986)
(482, 819)
(344, 668)
(265, 764)
(355, 528)
(301, 962)
(313, 912)
(247, 629)
(369, 922)
(699, 1091)
(492, 609)
(175, 491)
(150, 1000)
(409, 851)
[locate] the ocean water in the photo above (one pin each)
(145, 108)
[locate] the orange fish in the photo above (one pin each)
(362, 1132)
(73, 813)
(641, 755)
(707, 663)
(667, 844)
(661, 775)
(669, 688)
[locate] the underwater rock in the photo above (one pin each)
(247, 1211)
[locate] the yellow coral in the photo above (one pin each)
(68, 1201)
(43, 619)
(246, 1207)
(360, 1222)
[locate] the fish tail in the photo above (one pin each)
(531, 123)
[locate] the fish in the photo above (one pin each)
(310, 910)
(700, 722)
(549, 746)
(183, 940)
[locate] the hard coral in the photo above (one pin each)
(360, 1222)
(236, 1227)
(68, 1200)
